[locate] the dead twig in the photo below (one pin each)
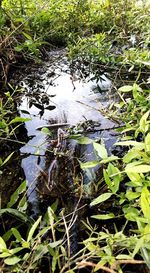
(119, 262)
(104, 268)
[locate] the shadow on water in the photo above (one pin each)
(62, 102)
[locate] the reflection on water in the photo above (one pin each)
(56, 97)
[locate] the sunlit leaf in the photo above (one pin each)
(145, 202)
(12, 260)
(20, 215)
(46, 131)
(103, 216)
(2, 244)
(137, 169)
(103, 197)
(100, 150)
(90, 164)
(138, 145)
(33, 228)
(16, 195)
(55, 244)
(16, 233)
(83, 140)
(19, 119)
(109, 159)
(126, 88)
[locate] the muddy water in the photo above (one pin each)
(55, 98)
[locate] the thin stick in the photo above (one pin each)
(97, 266)
(117, 263)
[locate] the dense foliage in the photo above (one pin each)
(106, 33)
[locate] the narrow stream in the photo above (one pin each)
(54, 98)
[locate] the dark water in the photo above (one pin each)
(56, 99)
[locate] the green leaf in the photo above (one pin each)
(22, 216)
(126, 88)
(132, 195)
(137, 169)
(87, 165)
(147, 143)
(55, 244)
(16, 195)
(2, 244)
(131, 213)
(46, 131)
(17, 235)
(101, 150)
(16, 250)
(33, 228)
(40, 251)
(109, 159)
(145, 202)
(103, 216)
(12, 260)
(84, 140)
(5, 254)
(19, 119)
(103, 197)
(132, 154)
(138, 145)
(123, 257)
(144, 123)
(7, 159)
(27, 35)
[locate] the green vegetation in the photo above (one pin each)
(100, 33)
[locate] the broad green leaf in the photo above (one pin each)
(135, 177)
(103, 197)
(101, 150)
(5, 254)
(19, 119)
(146, 255)
(87, 165)
(132, 154)
(103, 216)
(40, 251)
(15, 196)
(84, 140)
(123, 257)
(109, 159)
(131, 213)
(22, 216)
(107, 179)
(112, 177)
(33, 228)
(27, 35)
(55, 244)
(138, 145)
(145, 202)
(144, 123)
(132, 195)
(12, 260)
(17, 235)
(126, 88)
(2, 244)
(147, 143)
(137, 169)
(139, 244)
(46, 131)
(15, 250)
